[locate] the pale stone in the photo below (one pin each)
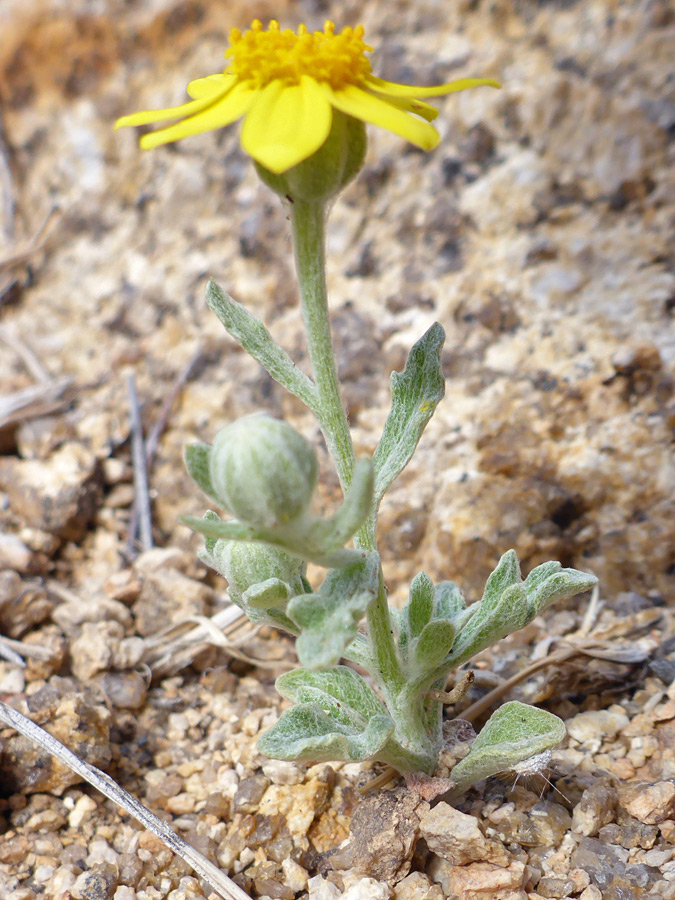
(457, 837)
(596, 725)
(649, 803)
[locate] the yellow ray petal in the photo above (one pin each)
(225, 110)
(409, 90)
(286, 124)
(407, 104)
(210, 85)
(149, 116)
(369, 108)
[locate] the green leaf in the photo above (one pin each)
(197, 465)
(270, 593)
(340, 692)
(449, 601)
(420, 605)
(490, 623)
(549, 583)
(335, 531)
(254, 337)
(514, 733)
(329, 619)
(415, 393)
(433, 645)
(307, 734)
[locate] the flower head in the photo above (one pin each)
(285, 85)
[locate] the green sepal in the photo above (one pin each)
(415, 393)
(340, 692)
(197, 457)
(305, 733)
(329, 619)
(514, 733)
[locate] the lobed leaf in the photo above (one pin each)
(305, 733)
(340, 692)
(415, 393)
(329, 619)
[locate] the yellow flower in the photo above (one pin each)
(286, 85)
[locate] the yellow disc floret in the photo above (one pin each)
(259, 57)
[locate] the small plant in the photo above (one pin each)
(304, 98)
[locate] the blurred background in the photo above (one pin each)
(538, 234)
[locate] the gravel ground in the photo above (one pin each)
(539, 234)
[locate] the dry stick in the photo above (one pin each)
(472, 713)
(155, 434)
(33, 246)
(27, 355)
(141, 494)
(8, 192)
(223, 885)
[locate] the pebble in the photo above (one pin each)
(458, 838)
(367, 889)
(479, 880)
(59, 494)
(649, 803)
(417, 886)
(14, 554)
(550, 886)
(595, 809)
(597, 725)
(321, 889)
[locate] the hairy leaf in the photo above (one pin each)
(415, 393)
(329, 619)
(340, 692)
(514, 733)
(307, 734)
(254, 337)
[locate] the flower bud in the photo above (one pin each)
(326, 172)
(263, 471)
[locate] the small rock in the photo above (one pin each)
(125, 690)
(14, 554)
(591, 893)
(457, 837)
(384, 830)
(249, 793)
(366, 889)
(76, 718)
(93, 651)
(417, 886)
(550, 886)
(169, 596)
(479, 880)
(99, 883)
(321, 889)
(59, 494)
(294, 875)
(650, 804)
(595, 809)
(596, 725)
